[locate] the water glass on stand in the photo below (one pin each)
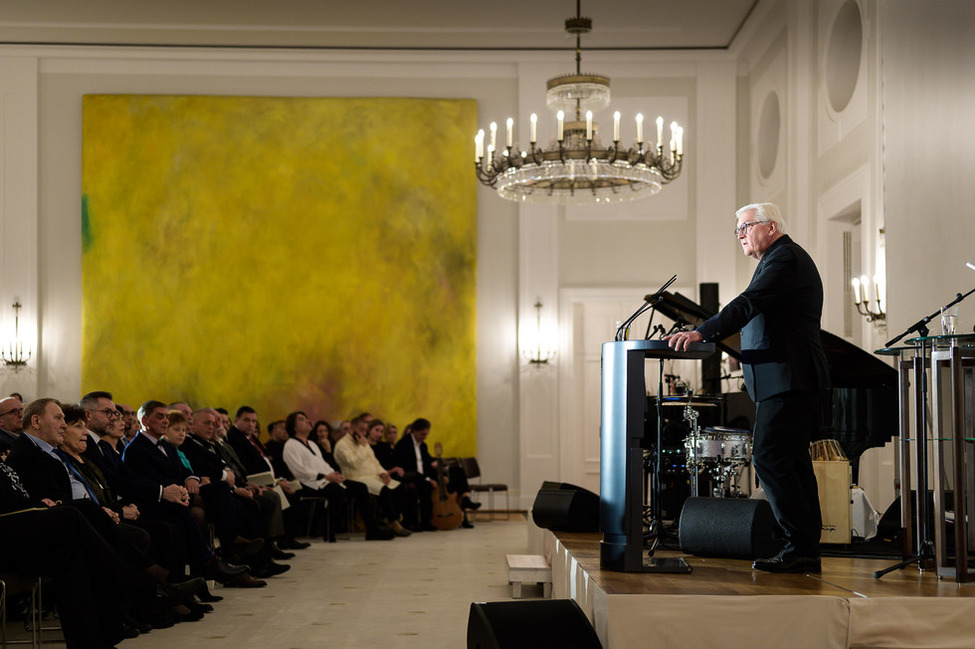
(949, 319)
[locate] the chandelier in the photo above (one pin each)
(576, 167)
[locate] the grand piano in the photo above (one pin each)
(862, 409)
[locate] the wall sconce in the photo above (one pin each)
(14, 354)
(538, 349)
(861, 298)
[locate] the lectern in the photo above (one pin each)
(624, 403)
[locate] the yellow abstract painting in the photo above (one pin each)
(313, 254)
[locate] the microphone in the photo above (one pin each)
(650, 302)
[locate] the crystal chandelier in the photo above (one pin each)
(576, 167)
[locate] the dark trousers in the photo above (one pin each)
(784, 427)
(88, 574)
(417, 503)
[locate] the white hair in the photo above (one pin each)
(764, 213)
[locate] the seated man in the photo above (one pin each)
(166, 503)
(305, 461)
(357, 461)
(155, 459)
(259, 511)
(420, 476)
(11, 423)
(41, 539)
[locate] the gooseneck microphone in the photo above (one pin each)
(648, 304)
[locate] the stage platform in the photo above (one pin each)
(724, 603)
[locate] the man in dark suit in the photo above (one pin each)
(785, 369)
(42, 539)
(11, 414)
(419, 474)
(155, 459)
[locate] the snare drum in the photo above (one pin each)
(720, 446)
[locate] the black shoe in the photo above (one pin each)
(467, 503)
(467, 525)
(204, 595)
(138, 625)
(279, 554)
(789, 564)
(183, 590)
(245, 581)
(289, 543)
(270, 569)
(379, 534)
(221, 571)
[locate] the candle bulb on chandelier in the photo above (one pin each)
(479, 145)
(589, 125)
(509, 138)
(616, 126)
(533, 121)
(561, 117)
(856, 290)
(680, 141)
(660, 132)
(494, 137)
(639, 128)
(865, 283)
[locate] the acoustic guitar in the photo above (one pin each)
(447, 514)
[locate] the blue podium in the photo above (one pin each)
(624, 404)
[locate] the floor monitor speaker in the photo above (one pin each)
(739, 528)
(564, 507)
(529, 624)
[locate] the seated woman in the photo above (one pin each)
(305, 461)
(358, 462)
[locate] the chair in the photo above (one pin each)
(473, 471)
(13, 584)
(314, 504)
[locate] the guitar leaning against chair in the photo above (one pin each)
(449, 507)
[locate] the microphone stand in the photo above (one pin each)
(923, 540)
(921, 326)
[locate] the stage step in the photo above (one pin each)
(529, 569)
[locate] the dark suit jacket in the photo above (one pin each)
(42, 475)
(249, 455)
(162, 468)
(404, 456)
(779, 316)
(203, 457)
(124, 482)
(7, 440)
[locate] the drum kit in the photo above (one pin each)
(722, 453)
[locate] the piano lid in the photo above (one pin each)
(849, 366)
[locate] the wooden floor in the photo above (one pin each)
(841, 577)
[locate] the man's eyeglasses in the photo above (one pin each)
(19, 411)
(743, 228)
(108, 412)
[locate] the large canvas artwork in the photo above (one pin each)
(286, 253)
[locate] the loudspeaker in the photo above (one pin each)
(739, 528)
(529, 624)
(563, 507)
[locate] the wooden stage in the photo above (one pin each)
(724, 603)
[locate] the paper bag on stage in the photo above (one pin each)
(833, 479)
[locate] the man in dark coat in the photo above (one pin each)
(779, 315)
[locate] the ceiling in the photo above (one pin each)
(375, 24)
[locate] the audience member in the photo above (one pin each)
(305, 461)
(11, 424)
(155, 459)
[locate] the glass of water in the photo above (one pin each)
(949, 320)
